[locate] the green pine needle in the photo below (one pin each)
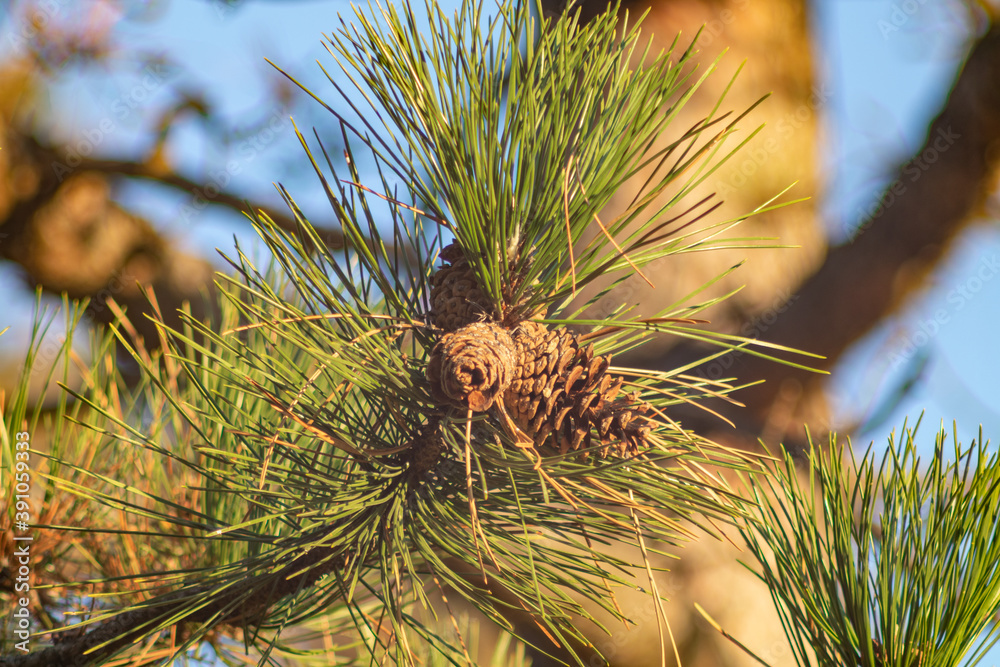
(885, 561)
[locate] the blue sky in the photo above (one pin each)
(888, 64)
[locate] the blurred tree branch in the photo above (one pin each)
(149, 170)
(934, 196)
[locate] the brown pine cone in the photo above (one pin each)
(472, 367)
(456, 299)
(561, 393)
(426, 448)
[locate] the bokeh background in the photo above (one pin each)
(133, 133)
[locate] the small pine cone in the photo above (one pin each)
(426, 448)
(472, 367)
(456, 299)
(561, 394)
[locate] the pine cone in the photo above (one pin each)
(552, 392)
(472, 367)
(426, 448)
(456, 299)
(561, 393)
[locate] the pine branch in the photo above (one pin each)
(883, 562)
(244, 606)
(351, 406)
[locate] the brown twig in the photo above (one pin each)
(243, 604)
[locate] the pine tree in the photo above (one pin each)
(368, 441)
